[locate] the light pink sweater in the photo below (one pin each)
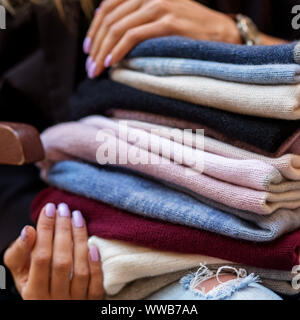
(78, 141)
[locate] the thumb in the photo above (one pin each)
(17, 256)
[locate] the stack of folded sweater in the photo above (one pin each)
(154, 220)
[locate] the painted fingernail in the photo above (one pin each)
(91, 71)
(88, 63)
(94, 253)
(23, 234)
(63, 210)
(87, 43)
(107, 61)
(97, 10)
(50, 210)
(78, 219)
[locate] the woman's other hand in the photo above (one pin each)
(53, 262)
(119, 25)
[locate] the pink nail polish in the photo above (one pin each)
(78, 219)
(87, 43)
(107, 61)
(91, 71)
(94, 253)
(63, 210)
(23, 234)
(88, 63)
(50, 210)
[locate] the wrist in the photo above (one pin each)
(231, 33)
(247, 29)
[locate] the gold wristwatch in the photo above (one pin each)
(248, 30)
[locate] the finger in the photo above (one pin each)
(120, 12)
(62, 254)
(17, 256)
(117, 31)
(132, 37)
(103, 10)
(96, 290)
(39, 273)
(80, 279)
(87, 42)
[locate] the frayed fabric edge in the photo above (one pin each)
(224, 290)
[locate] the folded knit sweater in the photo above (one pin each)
(270, 137)
(255, 174)
(135, 194)
(280, 101)
(172, 122)
(81, 141)
(288, 164)
(183, 124)
(111, 223)
(256, 74)
(180, 47)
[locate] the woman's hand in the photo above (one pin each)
(53, 262)
(119, 25)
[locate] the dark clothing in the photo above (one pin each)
(44, 63)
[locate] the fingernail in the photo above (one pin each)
(92, 69)
(107, 61)
(87, 45)
(23, 234)
(94, 253)
(97, 10)
(50, 210)
(78, 219)
(63, 210)
(88, 63)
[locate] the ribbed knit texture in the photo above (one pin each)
(255, 74)
(297, 53)
(288, 165)
(111, 223)
(281, 101)
(151, 199)
(266, 136)
(144, 287)
(254, 174)
(78, 141)
(180, 47)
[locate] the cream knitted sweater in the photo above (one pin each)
(280, 101)
(123, 262)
